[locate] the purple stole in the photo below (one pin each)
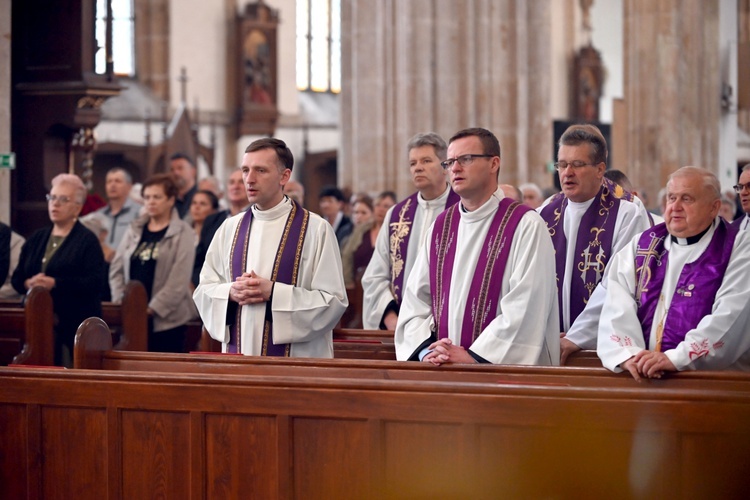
(285, 270)
(737, 223)
(593, 244)
(399, 232)
(696, 287)
(486, 284)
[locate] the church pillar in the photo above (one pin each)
(443, 65)
(672, 87)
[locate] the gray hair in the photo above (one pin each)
(710, 181)
(532, 186)
(75, 182)
(125, 173)
(429, 139)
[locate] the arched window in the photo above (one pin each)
(319, 45)
(123, 23)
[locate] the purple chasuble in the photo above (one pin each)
(285, 270)
(399, 232)
(593, 244)
(696, 287)
(486, 284)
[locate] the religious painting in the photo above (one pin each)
(258, 26)
(587, 84)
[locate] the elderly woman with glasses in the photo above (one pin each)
(67, 260)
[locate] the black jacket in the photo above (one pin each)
(78, 269)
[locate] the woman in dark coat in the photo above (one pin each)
(66, 259)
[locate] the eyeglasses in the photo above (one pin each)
(62, 200)
(739, 187)
(463, 160)
(575, 165)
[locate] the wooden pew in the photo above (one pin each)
(27, 330)
(202, 435)
(129, 319)
(93, 351)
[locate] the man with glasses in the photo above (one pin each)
(407, 222)
(485, 262)
(676, 296)
(589, 221)
(742, 188)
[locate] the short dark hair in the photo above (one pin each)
(211, 197)
(619, 178)
(183, 156)
(283, 153)
(585, 133)
(387, 194)
(166, 181)
(331, 191)
(490, 144)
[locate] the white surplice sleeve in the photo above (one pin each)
(620, 335)
(312, 308)
(415, 322)
(376, 281)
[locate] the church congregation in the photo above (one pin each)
(374, 249)
(452, 271)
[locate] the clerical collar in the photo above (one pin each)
(690, 240)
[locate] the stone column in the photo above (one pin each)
(672, 87)
(443, 65)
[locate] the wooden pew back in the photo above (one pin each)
(129, 319)
(27, 330)
(140, 435)
(92, 351)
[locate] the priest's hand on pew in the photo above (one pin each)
(250, 289)
(566, 348)
(649, 364)
(444, 351)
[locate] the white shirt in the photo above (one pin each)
(303, 315)
(376, 282)
(516, 335)
(725, 331)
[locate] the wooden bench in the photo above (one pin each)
(27, 330)
(121, 434)
(93, 351)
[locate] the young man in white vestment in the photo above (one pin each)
(404, 231)
(483, 286)
(272, 282)
(589, 221)
(676, 297)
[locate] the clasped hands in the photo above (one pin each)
(250, 289)
(445, 351)
(40, 279)
(648, 364)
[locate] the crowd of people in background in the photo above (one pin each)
(162, 233)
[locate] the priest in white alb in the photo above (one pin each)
(483, 287)
(404, 232)
(677, 296)
(589, 221)
(272, 282)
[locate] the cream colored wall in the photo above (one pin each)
(198, 31)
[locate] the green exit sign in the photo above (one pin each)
(7, 160)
